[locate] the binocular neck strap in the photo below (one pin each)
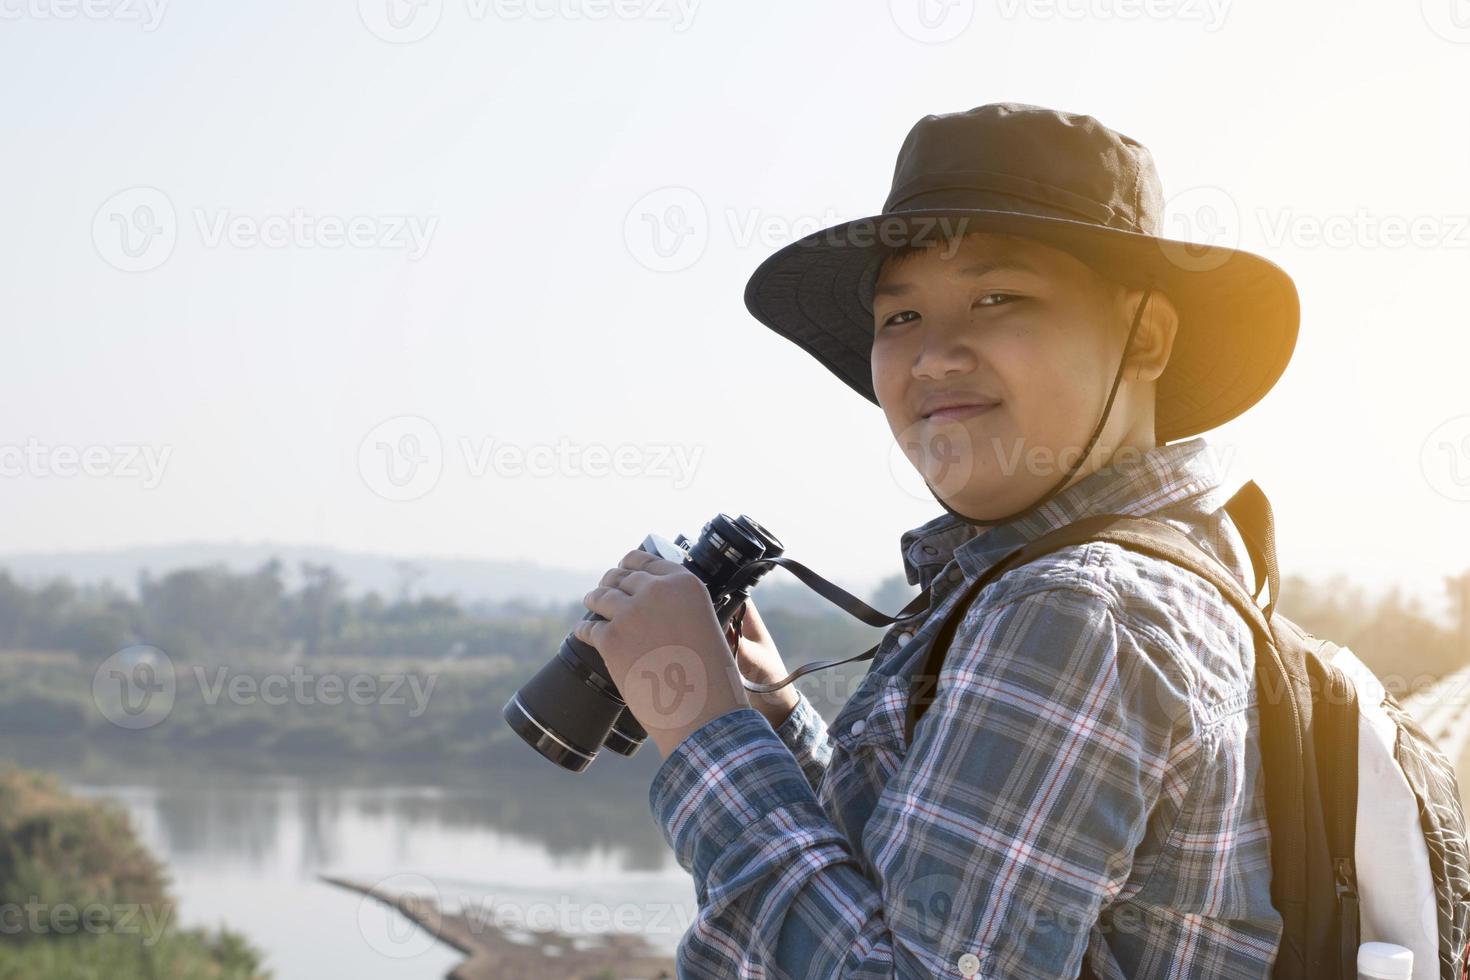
(841, 598)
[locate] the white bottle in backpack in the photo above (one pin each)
(1385, 961)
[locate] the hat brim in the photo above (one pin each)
(1238, 312)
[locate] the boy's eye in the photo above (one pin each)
(999, 299)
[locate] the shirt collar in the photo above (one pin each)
(1136, 483)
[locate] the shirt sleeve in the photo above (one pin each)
(804, 732)
(1010, 825)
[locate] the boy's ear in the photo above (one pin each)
(1148, 355)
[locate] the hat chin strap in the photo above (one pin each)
(1096, 432)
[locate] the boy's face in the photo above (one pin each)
(1029, 337)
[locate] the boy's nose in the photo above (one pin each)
(943, 351)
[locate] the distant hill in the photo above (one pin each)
(474, 581)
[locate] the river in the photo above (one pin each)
(519, 842)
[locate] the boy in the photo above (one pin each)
(1083, 794)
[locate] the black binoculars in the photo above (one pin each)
(571, 708)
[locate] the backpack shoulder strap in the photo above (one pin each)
(1250, 512)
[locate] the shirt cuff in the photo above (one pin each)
(727, 775)
(805, 733)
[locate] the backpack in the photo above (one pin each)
(1367, 829)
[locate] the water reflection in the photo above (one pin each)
(246, 836)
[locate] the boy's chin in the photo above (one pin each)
(988, 502)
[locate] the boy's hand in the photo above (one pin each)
(662, 646)
(760, 661)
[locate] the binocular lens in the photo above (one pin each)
(567, 710)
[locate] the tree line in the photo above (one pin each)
(215, 613)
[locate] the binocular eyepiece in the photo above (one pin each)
(571, 708)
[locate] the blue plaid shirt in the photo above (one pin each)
(1085, 784)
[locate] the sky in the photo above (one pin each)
(464, 277)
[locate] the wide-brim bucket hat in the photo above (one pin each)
(1067, 181)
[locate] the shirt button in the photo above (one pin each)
(904, 637)
(956, 574)
(929, 549)
(969, 964)
(858, 727)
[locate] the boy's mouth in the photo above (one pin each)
(959, 412)
(951, 407)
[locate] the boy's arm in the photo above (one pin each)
(1010, 825)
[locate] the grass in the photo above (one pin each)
(81, 898)
(182, 955)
